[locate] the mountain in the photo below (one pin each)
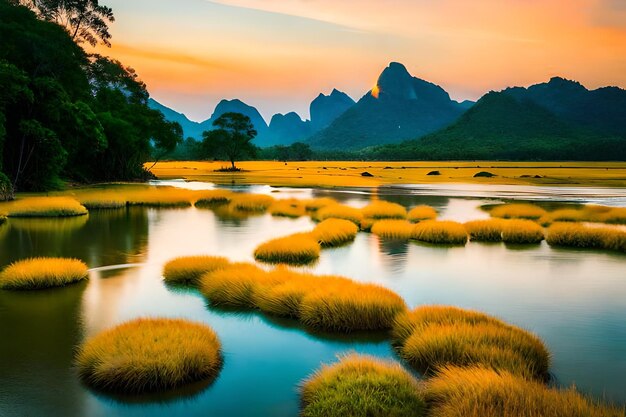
(190, 128)
(400, 107)
(238, 106)
(285, 129)
(326, 108)
(516, 124)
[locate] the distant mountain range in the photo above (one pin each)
(404, 117)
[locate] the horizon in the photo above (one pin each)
(279, 55)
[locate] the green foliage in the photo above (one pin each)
(232, 138)
(6, 188)
(297, 151)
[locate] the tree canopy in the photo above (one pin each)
(232, 138)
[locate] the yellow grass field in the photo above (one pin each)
(348, 173)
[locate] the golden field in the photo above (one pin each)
(348, 173)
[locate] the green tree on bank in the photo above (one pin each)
(65, 113)
(231, 140)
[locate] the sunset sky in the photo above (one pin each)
(278, 55)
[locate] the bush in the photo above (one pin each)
(40, 273)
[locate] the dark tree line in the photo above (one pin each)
(65, 114)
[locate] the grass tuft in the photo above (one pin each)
(339, 211)
(383, 210)
(419, 213)
(440, 232)
(251, 202)
(480, 392)
(485, 230)
(314, 204)
(40, 273)
(521, 232)
(335, 232)
(149, 355)
(588, 237)
(189, 269)
(361, 386)
(393, 229)
(102, 200)
(287, 208)
(433, 337)
(236, 285)
(46, 207)
(161, 197)
(518, 211)
(212, 198)
(296, 249)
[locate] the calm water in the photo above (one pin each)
(575, 300)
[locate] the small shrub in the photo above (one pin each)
(485, 230)
(582, 236)
(384, 210)
(40, 273)
(481, 392)
(297, 249)
(440, 232)
(393, 229)
(518, 211)
(46, 207)
(361, 386)
(335, 232)
(287, 208)
(189, 269)
(521, 232)
(339, 211)
(149, 355)
(420, 213)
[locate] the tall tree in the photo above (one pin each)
(231, 140)
(84, 20)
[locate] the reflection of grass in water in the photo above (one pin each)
(149, 355)
(361, 385)
(433, 337)
(481, 392)
(384, 210)
(56, 225)
(38, 273)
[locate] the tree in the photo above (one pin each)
(84, 20)
(231, 140)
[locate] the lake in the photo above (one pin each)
(574, 300)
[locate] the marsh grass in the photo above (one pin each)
(212, 198)
(521, 232)
(251, 202)
(189, 269)
(431, 338)
(587, 237)
(40, 273)
(160, 197)
(440, 232)
(481, 392)
(518, 211)
(339, 211)
(102, 200)
(366, 224)
(46, 207)
(361, 386)
(393, 229)
(314, 204)
(591, 214)
(291, 208)
(335, 232)
(383, 210)
(296, 249)
(489, 230)
(236, 285)
(419, 213)
(149, 355)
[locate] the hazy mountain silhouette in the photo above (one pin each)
(191, 129)
(398, 108)
(286, 129)
(326, 108)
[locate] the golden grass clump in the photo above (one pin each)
(361, 386)
(236, 285)
(419, 213)
(291, 208)
(211, 198)
(489, 230)
(339, 211)
(383, 210)
(102, 201)
(481, 392)
(296, 249)
(393, 229)
(39, 273)
(189, 269)
(314, 204)
(582, 236)
(46, 207)
(433, 337)
(440, 232)
(521, 231)
(518, 211)
(284, 298)
(161, 197)
(149, 355)
(335, 232)
(251, 202)
(366, 224)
